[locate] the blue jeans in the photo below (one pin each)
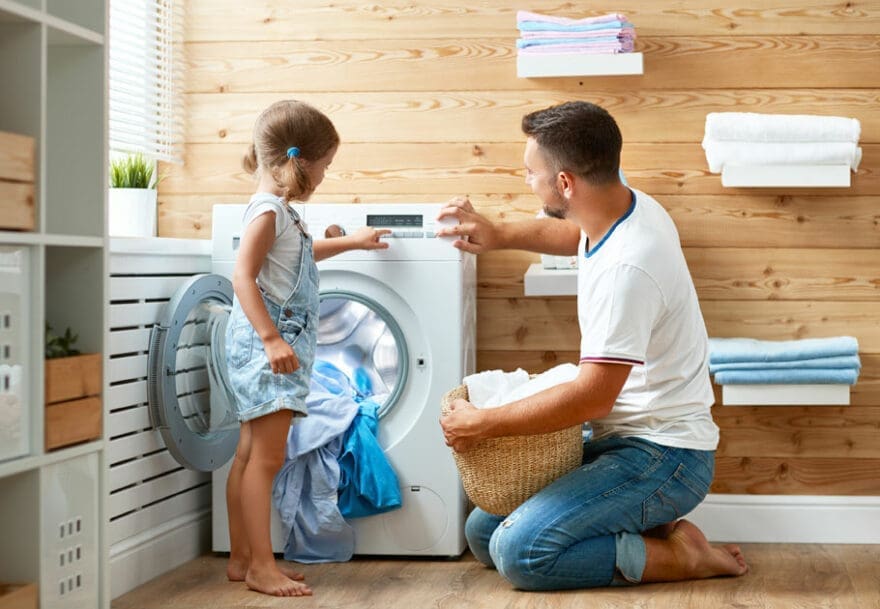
(583, 530)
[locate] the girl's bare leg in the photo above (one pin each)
(268, 444)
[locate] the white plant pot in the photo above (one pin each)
(132, 212)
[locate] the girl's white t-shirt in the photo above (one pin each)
(278, 275)
(637, 306)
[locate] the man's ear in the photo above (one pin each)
(565, 182)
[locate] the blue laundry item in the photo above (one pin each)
(305, 490)
(368, 484)
(544, 26)
(837, 362)
(839, 376)
(731, 350)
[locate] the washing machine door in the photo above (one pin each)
(191, 403)
(361, 338)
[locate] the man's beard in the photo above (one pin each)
(559, 209)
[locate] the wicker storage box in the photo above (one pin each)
(499, 474)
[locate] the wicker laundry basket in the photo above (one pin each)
(499, 474)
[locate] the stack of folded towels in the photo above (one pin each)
(545, 34)
(744, 138)
(746, 361)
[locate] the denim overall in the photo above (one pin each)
(258, 391)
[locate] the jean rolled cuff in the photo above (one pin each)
(631, 558)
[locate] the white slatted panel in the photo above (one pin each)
(148, 487)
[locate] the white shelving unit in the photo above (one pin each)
(539, 281)
(786, 176)
(785, 395)
(53, 66)
(578, 64)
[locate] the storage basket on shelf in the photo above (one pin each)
(499, 474)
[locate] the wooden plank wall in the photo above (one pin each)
(426, 99)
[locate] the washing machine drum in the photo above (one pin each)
(358, 337)
(191, 402)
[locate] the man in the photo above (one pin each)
(643, 381)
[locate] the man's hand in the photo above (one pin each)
(462, 426)
(475, 233)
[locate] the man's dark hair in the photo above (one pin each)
(579, 137)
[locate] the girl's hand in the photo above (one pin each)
(368, 238)
(281, 355)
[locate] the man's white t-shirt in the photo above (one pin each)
(637, 306)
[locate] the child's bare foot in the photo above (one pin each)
(273, 581)
(703, 559)
(236, 570)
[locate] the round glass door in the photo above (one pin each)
(361, 339)
(191, 402)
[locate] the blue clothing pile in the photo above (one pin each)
(746, 361)
(335, 468)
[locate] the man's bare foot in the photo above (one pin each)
(236, 571)
(274, 582)
(703, 559)
(662, 531)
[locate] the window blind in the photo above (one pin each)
(146, 78)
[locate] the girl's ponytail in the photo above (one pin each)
(249, 160)
(288, 136)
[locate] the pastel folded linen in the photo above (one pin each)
(719, 154)
(754, 127)
(605, 41)
(554, 20)
(729, 350)
(569, 49)
(834, 362)
(835, 376)
(620, 34)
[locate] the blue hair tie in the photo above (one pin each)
(292, 152)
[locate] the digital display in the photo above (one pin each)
(395, 220)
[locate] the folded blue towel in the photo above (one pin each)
(839, 361)
(731, 350)
(832, 376)
(543, 26)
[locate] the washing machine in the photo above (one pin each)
(404, 318)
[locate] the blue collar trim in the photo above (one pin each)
(632, 207)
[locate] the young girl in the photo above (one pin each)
(271, 335)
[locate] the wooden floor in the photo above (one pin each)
(782, 576)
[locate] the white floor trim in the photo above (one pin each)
(138, 560)
(789, 519)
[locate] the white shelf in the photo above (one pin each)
(786, 176)
(578, 64)
(785, 395)
(30, 462)
(29, 238)
(539, 281)
(66, 32)
(53, 69)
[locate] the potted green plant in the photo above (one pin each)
(132, 199)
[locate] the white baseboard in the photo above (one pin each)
(789, 519)
(137, 560)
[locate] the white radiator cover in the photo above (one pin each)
(158, 512)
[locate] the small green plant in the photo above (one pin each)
(60, 346)
(135, 171)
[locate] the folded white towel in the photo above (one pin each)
(719, 154)
(753, 127)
